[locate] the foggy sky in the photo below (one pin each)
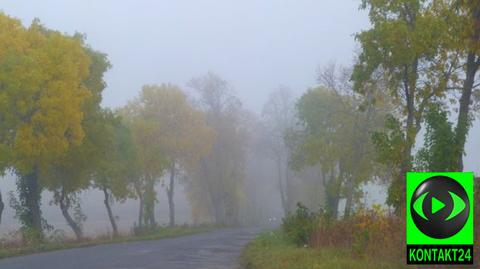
(256, 45)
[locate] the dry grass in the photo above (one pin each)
(273, 251)
(368, 231)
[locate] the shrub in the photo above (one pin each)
(299, 225)
(367, 231)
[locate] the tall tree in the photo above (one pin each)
(468, 13)
(71, 174)
(115, 168)
(410, 45)
(335, 136)
(41, 77)
(140, 117)
(321, 113)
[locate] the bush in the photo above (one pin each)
(298, 226)
(367, 231)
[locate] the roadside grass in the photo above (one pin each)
(272, 250)
(10, 248)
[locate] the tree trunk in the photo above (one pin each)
(396, 192)
(463, 122)
(2, 206)
(170, 193)
(141, 206)
(149, 202)
(363, 137)
(140, 211)
(31, 215)
(288, 188)
(65, 206)
(333, 200)
(218, 204)
(109, 211)
(281, 188)
(349, 197)
(332, 195)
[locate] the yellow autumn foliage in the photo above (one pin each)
(41, 92)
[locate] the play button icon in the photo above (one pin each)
(436, 205)
(439, 207)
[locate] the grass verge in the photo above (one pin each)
(11, 249)
(272, 250)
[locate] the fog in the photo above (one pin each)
(254, 45)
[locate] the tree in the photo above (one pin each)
(41, 76)
(146, 131)
(115, 167)
(217, 188)
(185, 138)
(410, 44)
(279, 118)
(321, 113)
(335, 136)
(467, 13)
(72, 173)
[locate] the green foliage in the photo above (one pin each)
(411, 50)
(390, 146)
(389, 142)
(438, 151)
(24, 212)
(299, 225)
(326, 139)
(335, 136)
(114, 167)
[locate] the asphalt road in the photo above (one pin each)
(213, 250)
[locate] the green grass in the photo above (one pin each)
(10, 249)
(271, 250)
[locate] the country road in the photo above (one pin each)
(213, 250)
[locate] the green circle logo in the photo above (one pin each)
(440, 207)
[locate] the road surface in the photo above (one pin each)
(213, 250)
